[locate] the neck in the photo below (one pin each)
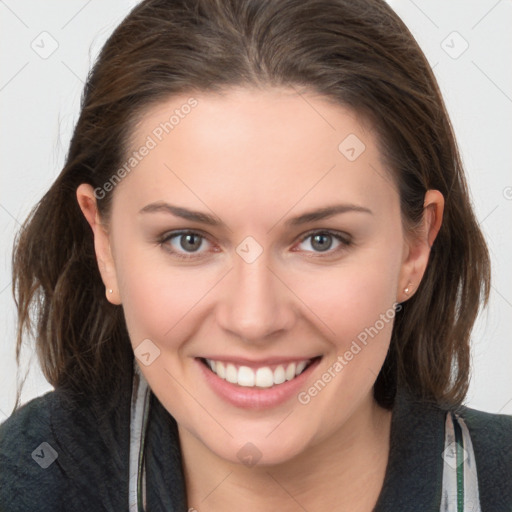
(343, 472)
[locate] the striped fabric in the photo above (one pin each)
(460, 482)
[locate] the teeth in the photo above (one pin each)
(219, 369)
(279, 375)
(246, 377)
(263, 377)
(231, 374)
(300, 367)
(290, 371)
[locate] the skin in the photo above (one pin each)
(254, 159)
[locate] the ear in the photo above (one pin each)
(418, 246)
(87, 202)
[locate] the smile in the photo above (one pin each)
(256, 385)
(258, 377)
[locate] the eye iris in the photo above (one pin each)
(322, 242)
(190, 242)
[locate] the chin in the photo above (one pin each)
(261, 449)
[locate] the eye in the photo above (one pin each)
(188, 244)
(323, 241)
(184, 244)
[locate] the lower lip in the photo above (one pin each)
(256, 398)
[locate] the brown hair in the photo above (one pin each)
(358, 54)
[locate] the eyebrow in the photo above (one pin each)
(179, 211)
(324, 213)
(212, 220)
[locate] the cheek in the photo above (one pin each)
(351, 298)
(167, 304)
(156, 297)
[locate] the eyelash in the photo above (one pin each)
(343, 238)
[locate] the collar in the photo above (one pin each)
(415, 467)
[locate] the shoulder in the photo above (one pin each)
(488, 427)
(27, 455)
(57, 453)
(491, 437)
(417, 446)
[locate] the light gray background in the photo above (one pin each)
(39, 104)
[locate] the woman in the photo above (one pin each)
(254, 282)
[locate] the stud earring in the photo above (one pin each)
(110, 290)
(407, 290)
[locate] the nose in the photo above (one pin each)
(256, 305)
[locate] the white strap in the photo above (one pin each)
(139, 404)
(460, 479)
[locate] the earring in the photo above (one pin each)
(406, 290)
(110, 290)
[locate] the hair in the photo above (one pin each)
(360, 55)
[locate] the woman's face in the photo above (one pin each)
(293, 252)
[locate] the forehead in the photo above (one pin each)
(257, 146)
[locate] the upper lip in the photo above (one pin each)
(243, 361)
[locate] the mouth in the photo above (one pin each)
(252, 375)
(252, 385)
